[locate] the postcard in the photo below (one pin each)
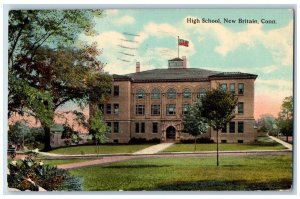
(150, 99)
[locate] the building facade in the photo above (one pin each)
(151, 104)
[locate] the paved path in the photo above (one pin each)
(285, 144)
(154, 149)
(109, 159)
(104, 160)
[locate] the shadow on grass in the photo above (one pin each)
(238, 185)
(134, 166)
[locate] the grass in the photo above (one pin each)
(222, 147)
(103, 149)
(171, 174)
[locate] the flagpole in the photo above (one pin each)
(178, 46)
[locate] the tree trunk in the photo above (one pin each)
(195, 143)
(217, 147)
(47, 146)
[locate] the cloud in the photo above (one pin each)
(256, 70)
(149, 58)
(278, 41)
(278, 85)
(267, 69)
(126, 20)
(160, 31)
(111, 12)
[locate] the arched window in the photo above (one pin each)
(155, 94)
(187, 93)
(171, 93)
(201, 93)
(140, 94)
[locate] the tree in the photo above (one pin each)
(218, 109)
(193, 122)
(98, 127)
(18, 133)
(285, 117)
(267, 124)
(47, 68)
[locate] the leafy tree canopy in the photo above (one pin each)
(48, 67)
(193, 122)
(218, 107)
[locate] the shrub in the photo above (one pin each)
(144, 141)
(199, 140)
(265, 141)
(29, 174)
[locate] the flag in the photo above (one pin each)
(182, 42)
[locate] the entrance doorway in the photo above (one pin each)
(171, 132)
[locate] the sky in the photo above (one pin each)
(265, 49)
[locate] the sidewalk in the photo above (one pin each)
(154, 149)
(285, 144)
(94, 162)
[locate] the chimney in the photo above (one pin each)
(137, 68)
(184, 62)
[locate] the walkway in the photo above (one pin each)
(109, 159)
(285, 144)
(104, 160)
(154, 149)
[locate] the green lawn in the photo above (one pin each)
(103, 149)
(222, 147)
(234, 173)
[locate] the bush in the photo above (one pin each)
(265, 141)
(144, 141)
(29, 174)
(199, 140)
(20, 132)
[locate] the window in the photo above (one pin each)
(232, 127)
(140, 94)
(140, 110)
(116, 141)
(116, 108)
(232, 88)
(223, 87)
(224, 129)
(154, 127)
(223, 141)
(108, 108)
(171, 109)
(201, 93)
(185, 108)
(116, 90)
(116, 127)
(187, 93)
(240, 107)
(241, 141)
(143, 127)
(241, 127)
(101, 107)
(109, 126)
(155, 94)
(241, 89)
(171, 93)
(155, 109)
(137, 127)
